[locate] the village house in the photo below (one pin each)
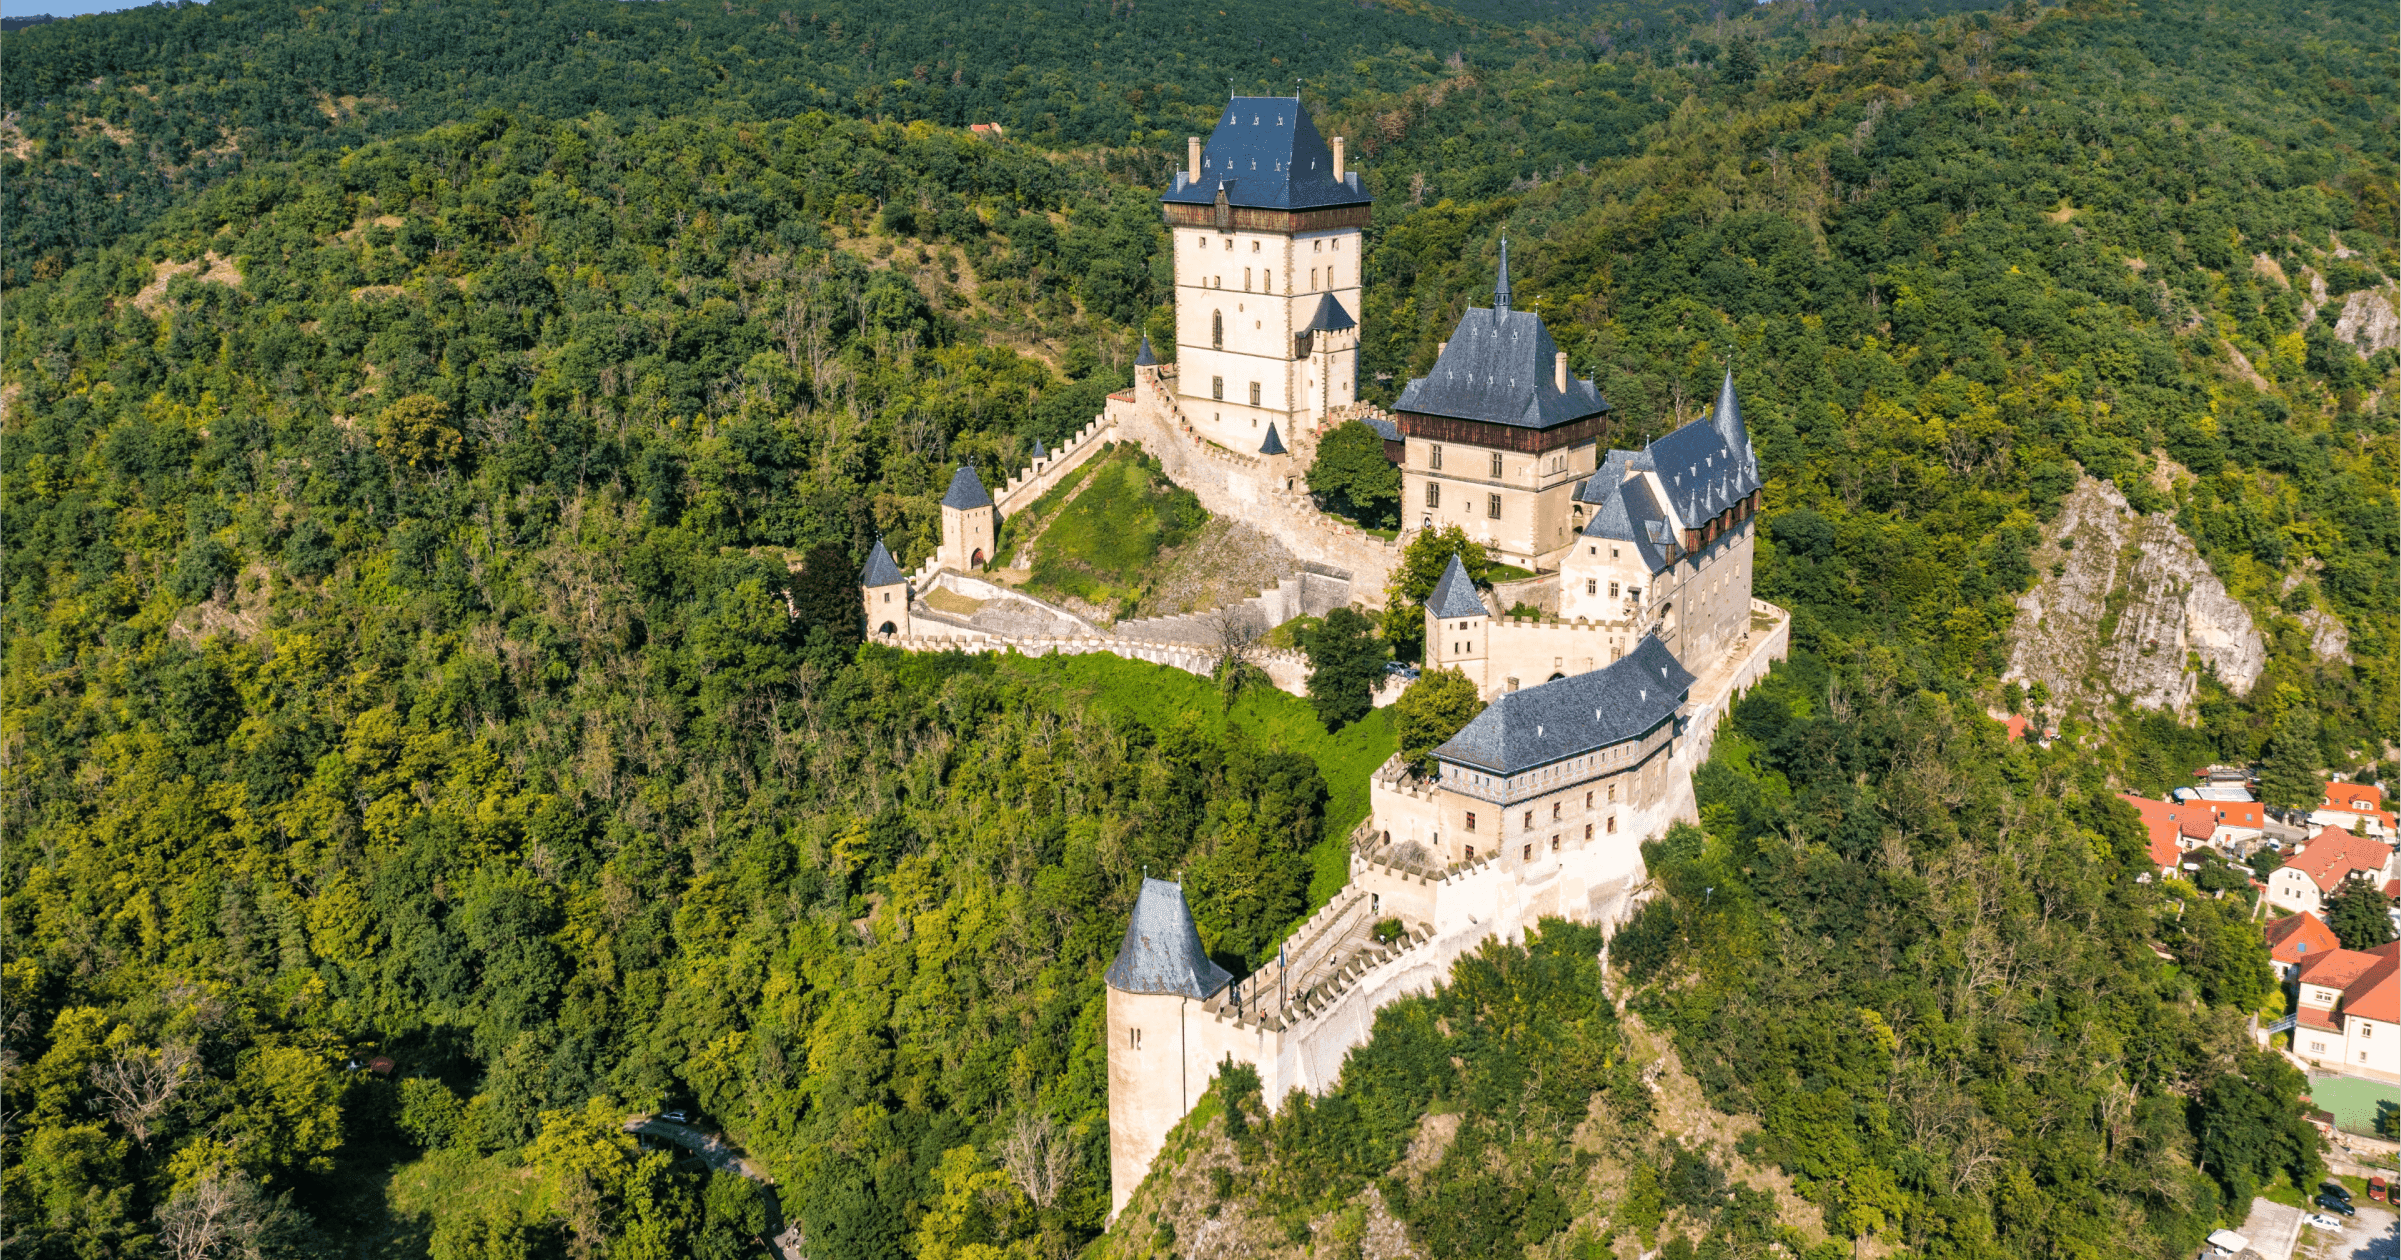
(2295, 939)
(2312, 872)
(2349, 1011)
(2176, 828)
(2347, 805)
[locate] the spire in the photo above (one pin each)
(1273, 445)
(966, 491)
(1144, 357)
(1500, 292)
(1726, 418)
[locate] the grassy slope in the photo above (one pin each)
(1099, 545)
(1158, 695)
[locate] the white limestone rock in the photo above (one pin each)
(2133, 611)
(2369, 322)
(2329, 638)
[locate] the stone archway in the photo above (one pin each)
(976, 561)
(1555, 677)
(887, 628)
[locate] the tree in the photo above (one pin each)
(1351, 470)
(1431, 711)
(140, 1084)
(1039, 1156)
(2356, 912)
(224, 1213)
(1421, 566)
(416, 431)
(2288, 778)
(826, 593)
(1346, 660)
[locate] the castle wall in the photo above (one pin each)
(1037, 478)
(1249, 488)
(1286, 671)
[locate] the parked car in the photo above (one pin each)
(2335, 1188)
(2340, 1207)
(678, 1115)
(2321, 1220)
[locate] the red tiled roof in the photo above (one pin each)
(2313, 1017)
(2330, 857)
(2017, 727)
(2376, 994)
(2297, 936)
(2159, 819)
(2336, 969)
(2236, 813)
(2194, 824)
(2354, 797)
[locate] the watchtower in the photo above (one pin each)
(1458, 626)
(970, 523)
(885, 591)
(1160, 1042)
(1266, 222)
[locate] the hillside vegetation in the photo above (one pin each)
(438, 445)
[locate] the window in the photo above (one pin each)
(1496, 465)
(1433, 494)
(1320, 244)
(1554, 811)
(1613, 824)
(1613, 590)
(1588, 831)
(1528, 855)
(1554, 844)
(2366, 1030)
(1529, 820)
(1634, 592)
(1254, 393)
(1254, 247)
(1612, 792)
(1217, 388)
(1217, 330)
(1613, 553)
(1134, 1038)
(1312, 277)
(1471, 825)
(1592, 586)
(2317, 1047)
(1492, 506)
(1434, 457)
(1471, 853)
(1246, 279)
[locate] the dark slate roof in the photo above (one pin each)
(880, 570)
(1626, 512)
(1267, 153)
(1385, 427)
(1500, 366)
(1596, 488)
(1144, 357)
(1455, 594)
(1162, 951)
(1040, 453)
(966, 490)
(1330, 317)
(1273, 445)
(1571, 716)
(1707, 465)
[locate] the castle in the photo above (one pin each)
(1599, 708)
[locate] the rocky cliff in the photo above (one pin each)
(2127, 608)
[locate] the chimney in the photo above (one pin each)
(1192, 159)
(1560, 371)
(1338, 159)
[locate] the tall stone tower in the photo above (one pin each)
(1266, 223)
(1161, 1046)
(970, 523)
(1458, 626)
(885, 591)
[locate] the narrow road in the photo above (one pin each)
(712, 1148)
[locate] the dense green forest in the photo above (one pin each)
(438, 440)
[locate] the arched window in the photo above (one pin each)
(1217, 330)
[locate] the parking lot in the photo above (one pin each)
(2367, 1236)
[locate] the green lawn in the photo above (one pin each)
(1029, 519)
(1097, 547)
(1157, 695)
(1507, 573)
(2352, 1100)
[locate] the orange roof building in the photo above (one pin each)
(2349, 1012)
(2296, 938)
(2313, 871)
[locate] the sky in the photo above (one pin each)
(60, 8)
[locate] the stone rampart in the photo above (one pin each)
(1038, 477)
(1302, 594)
(1287, 671)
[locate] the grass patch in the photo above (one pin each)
(1388, 535)
(1023, 527)
(1507, 573)
(1098, 547)
(1288, 636)
(943, 599)
(1160, 695)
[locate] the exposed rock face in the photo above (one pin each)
(2132, 612)
(2328, 636)
(2369, 322)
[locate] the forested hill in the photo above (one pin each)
(429, 626)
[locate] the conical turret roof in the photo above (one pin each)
(966, 490)
(1273, 445)
(1144, 357)
(1455, 595)
(880, 570)
(1162, 950)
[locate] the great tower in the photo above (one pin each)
(1267, 221)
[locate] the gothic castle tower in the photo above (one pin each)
(1266, 223)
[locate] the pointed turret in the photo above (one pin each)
(966, 490)
(884, 593)
(1455, 595)
(970, 522)
(1727, 417)
(1144, 357)
(1162, 950)
(1273, 445)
